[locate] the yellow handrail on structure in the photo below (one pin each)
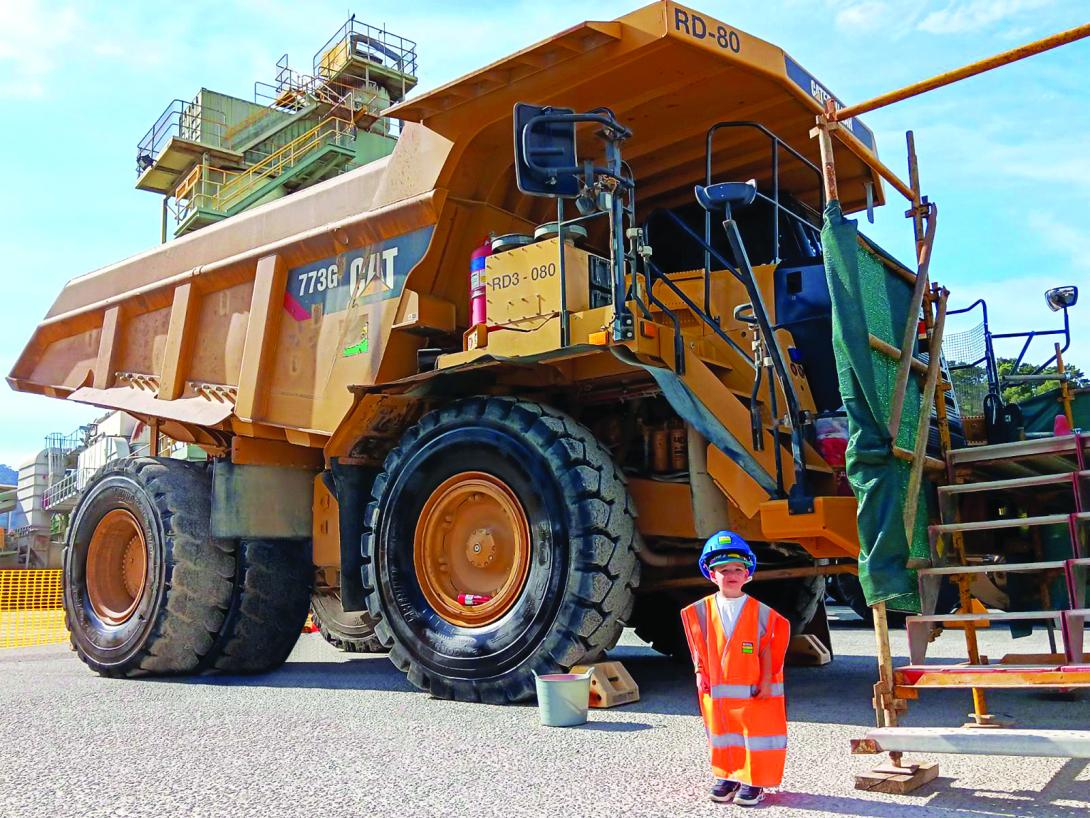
(235, 188)
(31, 608)
(199, 189)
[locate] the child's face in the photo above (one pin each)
(730, 578)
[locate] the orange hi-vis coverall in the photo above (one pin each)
(747, 735)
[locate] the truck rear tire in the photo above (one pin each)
(351, 632)
(269, 608)
(797, 600)
(146, 586)
(657, 621)
(850, 591)
(509, 500)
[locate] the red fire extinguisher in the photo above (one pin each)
(478, 297)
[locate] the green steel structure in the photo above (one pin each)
(217, 155)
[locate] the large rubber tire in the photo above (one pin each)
(183, 602)
(849, 589)
(578, 591)
(657, 621)
(351, 632)
(797, 600)
(270, 606)
(657, 618)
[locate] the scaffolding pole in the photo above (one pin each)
(971, 70)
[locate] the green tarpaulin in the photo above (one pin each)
(868, 299)
(1039, 412)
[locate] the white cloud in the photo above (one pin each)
(32, 40)
(962, 16)
(865, 16)
(41, 41)
(989, 153)
(1059, 236)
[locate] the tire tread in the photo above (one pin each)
(605, 569)
(197, 568)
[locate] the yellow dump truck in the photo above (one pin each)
(486, 396)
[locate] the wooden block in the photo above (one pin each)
(806, 650)
(610, 684)
(897, 783)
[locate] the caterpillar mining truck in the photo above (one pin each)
(485, 396)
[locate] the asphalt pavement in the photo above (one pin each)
(333, 734)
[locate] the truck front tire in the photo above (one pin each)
(519, 505)
(351, 632)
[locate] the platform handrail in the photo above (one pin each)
(190, 120)
(238, 185)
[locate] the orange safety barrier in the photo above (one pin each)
(31, 611)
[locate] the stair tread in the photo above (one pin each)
(1063, 676)
(998, 567)
(1072, 668)
(1012, 522)
(1019, 448)
(1013, 483)
(1002, 616)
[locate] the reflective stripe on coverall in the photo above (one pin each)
(747, 735)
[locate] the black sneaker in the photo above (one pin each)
(749, 796)
(723, 790)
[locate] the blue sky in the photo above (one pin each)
(1005, 155)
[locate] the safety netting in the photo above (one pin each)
(965, 352)
(869, 299)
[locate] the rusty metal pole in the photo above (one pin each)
(964, 72)
(908, 340)
(828, 163)
(1065, 388)
(885, 708)
(915, 212)
(934, 375)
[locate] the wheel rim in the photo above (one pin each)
(117, 566)
(473, 537)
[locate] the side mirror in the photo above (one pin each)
(545, 159)
(1060, 298)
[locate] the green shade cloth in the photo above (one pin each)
(868, 299)
(1039, 412)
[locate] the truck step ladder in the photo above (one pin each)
(1036, 483)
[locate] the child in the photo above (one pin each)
(738, 646)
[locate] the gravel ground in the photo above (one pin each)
(333, 735)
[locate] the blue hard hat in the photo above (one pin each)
(726, 546)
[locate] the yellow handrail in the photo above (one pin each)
(199, 189)
(279, 161)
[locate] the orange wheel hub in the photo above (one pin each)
(472, 538)
(117, 566)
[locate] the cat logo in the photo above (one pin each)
(373, 267)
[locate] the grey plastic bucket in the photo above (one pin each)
(562, 698)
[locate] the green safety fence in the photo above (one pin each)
(868, 299)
